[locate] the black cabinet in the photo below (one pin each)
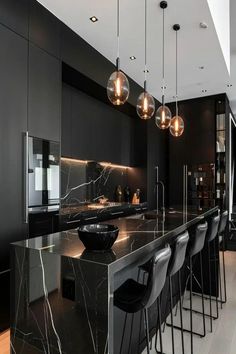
(13, 124)
(44, 28)
(5, 301)
(66, 121)
(14, 14)
(44, 95)
(44, 223)
(93, 130)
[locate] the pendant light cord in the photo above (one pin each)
(163, 57)
(145, 46)
(177, 113)
(118, 35)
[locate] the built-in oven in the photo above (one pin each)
(43, 173)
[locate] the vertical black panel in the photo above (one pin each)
(44, 29)
(14, 14)
(13, 123)
(66, 121)
(157, 155)
(44, 95)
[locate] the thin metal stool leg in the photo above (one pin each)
(220, 284)
(209, 275)
(181, 311)
(171, 315)
(203, 304)
(191, 302)
(224, 272)
(131, 332)
(146, 329)
(216, 280)
(123, 334)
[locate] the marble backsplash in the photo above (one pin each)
(84, 182)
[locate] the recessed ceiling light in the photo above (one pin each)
(201, 67)
(229, 85)
(146, 71)
(93, 19)
(204, 91)
(203, 25)
(132, 57)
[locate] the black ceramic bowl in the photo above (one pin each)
(98, 237)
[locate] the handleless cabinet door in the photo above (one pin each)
(14, 15)
(5, 301)
(44, 95)
(13, 124)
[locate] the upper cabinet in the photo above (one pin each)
(93, 130)
(44, 29)
(44, 111)
(14, 15)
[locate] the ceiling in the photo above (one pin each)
(197, 47)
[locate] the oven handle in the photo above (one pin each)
(26, 178)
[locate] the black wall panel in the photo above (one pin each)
(44, 94)
(44, 28)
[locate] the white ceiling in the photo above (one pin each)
(197, 47)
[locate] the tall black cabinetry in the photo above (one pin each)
(13, 125)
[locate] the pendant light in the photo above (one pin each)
(163, 114)
(145, 103)
(118, 84)
(177, 123)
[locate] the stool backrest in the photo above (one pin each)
(213, 228)
(157, 276)
(197, 240)
(178, 253)
(223, 222)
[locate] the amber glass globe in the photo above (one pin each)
(145, 105)
(177, 126)
(163, 117)
(118, 88)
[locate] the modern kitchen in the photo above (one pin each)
(118, 187)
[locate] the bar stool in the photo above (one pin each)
(221, 233)
(195, 247)
(175, 265)
(212, 232)
(132, 296)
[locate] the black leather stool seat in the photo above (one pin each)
(129, 297)
(197, 239)
(132, 296)
(223, 222)
(178, 254)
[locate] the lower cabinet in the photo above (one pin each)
(43, 224)
(5, 301)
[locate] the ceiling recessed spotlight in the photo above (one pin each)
(146, 71)
(132, 57)
(229, 85)
(203, 91)
(93, 19)
(201, 67)
(203, 25)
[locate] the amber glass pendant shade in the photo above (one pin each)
(118, 88)
(145, 105)
(163, 117)
(177, 126)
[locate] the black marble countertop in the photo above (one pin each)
(137, 236)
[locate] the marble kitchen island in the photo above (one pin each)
(62, 295)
